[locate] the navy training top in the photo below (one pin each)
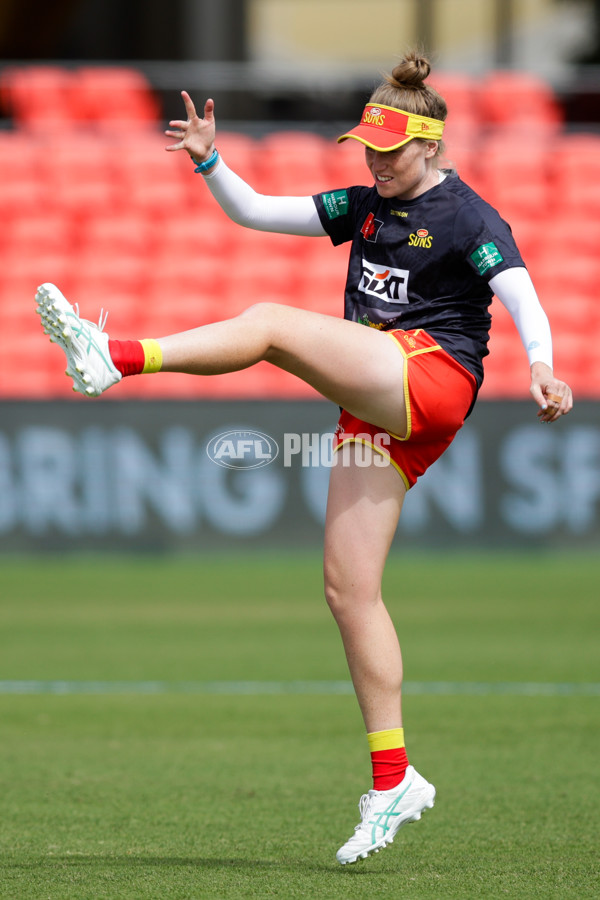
(422, 263)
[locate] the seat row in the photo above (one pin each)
(33, 369)
(181, 298)
(39, 97)
(93, 175)
(43, 97)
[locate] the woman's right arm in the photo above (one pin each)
(285, 215)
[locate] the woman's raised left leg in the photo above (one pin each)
(358, 368)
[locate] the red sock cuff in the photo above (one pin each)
(389, 767)
(128, 356)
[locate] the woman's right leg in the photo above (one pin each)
(363, 507)
(362, 512)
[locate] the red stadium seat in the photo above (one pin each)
(40, 232)
(573, 157)
(461, 156)
(461, 93)
(82, 151)
(109, 95)
(28, 264)
(347, 166)
(240, 152)
(506, 368)
(38, 98)
(515, 176)
(112, 231)
(25, 195)
(188, 233)
(47, 99)
(88, 198)
(510, 100)
(116, 271)
(293, 163)
(572, 229)
(20, 155)
(178, 270)
(528, 232)
(571, 154)
(141, 157)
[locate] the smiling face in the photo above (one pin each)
(406, 172)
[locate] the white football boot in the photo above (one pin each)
(383, 813)
(85, 344)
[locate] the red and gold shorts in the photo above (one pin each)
(438, 393)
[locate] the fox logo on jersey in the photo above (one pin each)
(370, 228)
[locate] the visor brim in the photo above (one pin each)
(375, 140)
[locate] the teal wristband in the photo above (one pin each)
(208, 163)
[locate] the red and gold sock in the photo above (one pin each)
(388, 757)
(136, 357)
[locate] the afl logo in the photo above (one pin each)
(375, 111)
(422, 232)
(241, 449)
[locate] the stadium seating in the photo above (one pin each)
(43, 98)
(119, 223)
(510, 100)
(38, 98)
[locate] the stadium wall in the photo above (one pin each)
(137, 476)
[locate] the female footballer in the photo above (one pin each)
(404, 364)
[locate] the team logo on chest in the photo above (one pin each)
(421, 238)
(370, 228)
(384, 282)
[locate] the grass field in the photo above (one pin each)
(178, 728)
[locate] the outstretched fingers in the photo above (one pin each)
(179, 137)
(194, 134)
(189, 105)
(209, 111)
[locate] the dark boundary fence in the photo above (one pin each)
(197, 476)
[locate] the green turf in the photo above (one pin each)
(193, 795)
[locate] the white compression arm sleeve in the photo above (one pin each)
(514, 288)
(285, 215)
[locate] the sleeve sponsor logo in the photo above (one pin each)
(486, 257)
(335, 203)
(384, 282)
(370, 228)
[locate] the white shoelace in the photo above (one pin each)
(101, 320)
(364, 805)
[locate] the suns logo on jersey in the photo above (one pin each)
(421, 238)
